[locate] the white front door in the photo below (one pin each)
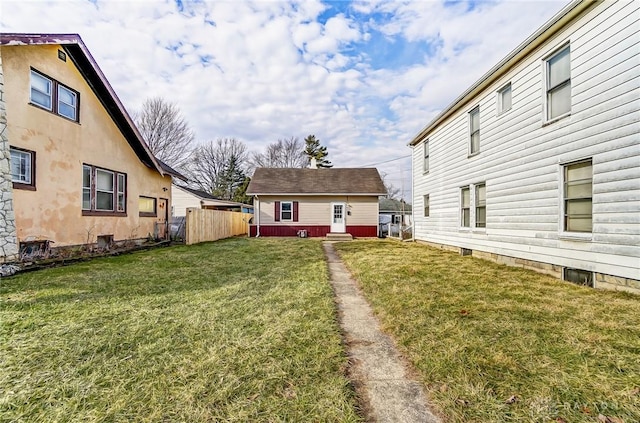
(338, 221)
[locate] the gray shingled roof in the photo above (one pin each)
(352, 181)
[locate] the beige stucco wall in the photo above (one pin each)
(53, 211)
(316, 210)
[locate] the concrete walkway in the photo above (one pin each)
(378, 372)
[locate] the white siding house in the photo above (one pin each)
(538, 163)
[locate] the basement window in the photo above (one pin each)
(577, 276)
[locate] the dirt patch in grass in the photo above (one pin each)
(500, 344)
(237, 330)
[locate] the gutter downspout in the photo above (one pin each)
(257, 217)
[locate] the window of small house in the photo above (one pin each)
(286, 210)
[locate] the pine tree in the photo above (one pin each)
(314, 150)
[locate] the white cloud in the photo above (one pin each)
(263, 70)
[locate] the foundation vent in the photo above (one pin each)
(577, 276)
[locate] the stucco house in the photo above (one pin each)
(537, 164)
(184, 197)
(318, 201)
(73, 167)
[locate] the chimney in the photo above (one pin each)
(314, 163)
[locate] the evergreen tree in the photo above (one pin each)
(314, 150)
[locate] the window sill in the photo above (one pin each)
(26, 187)
(555, 119)
(504, 113)
(54, 113)
(576, 236)
(143, 214)
(103, 213)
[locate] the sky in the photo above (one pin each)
(363, 76)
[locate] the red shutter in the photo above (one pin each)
(277, 214)
(295, 211)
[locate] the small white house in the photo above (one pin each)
(538, 163)
(186, 197)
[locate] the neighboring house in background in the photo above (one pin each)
(320, 201)
(538, 163)
(78, 168)
(185, 197)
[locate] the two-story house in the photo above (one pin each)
(73, 166)
(537, 164)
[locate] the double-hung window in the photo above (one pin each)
(465, 204)
(558, 83)
(578, 182)
(473, 206)
(504, 99)
(474, 131)
(103, 191)
(53, 96)
(425, 162)
(286, 210)
(23, 168)
(481, 205)
(425, 200)
(41, 90)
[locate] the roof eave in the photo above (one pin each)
(306, 194)
(550, 28)
(97, 81)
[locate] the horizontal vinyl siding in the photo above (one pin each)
(521, 157)
(317, 210)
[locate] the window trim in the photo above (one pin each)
(425, 156)
(55, 98)
(547, 90)
(426, 205)
(282, 203)
(472, 132)
(499, 103)
(22, 185)
(93, 210)
(155, 207)
(564, 232)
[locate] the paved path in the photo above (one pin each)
(377, 370)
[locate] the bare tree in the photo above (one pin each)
(393, 193)
(165, 131)
(282, 153)
(218, 167)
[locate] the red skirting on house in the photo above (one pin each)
(362, 231)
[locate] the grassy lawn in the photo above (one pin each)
(499, 344)
(238, 330)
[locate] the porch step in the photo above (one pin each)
(339, 237)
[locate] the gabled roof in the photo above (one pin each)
(544, 33)
(200, 194)
(208, 199)
(349, 181)
(75, 48)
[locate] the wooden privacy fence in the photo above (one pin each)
(211, 225)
